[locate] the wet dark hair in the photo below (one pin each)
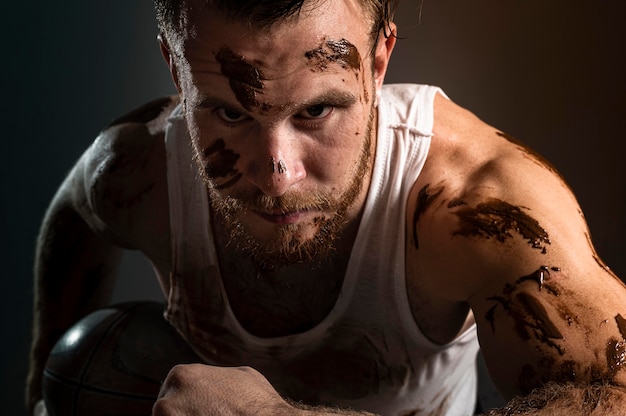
(264, 13)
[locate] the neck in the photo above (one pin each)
(291, 299)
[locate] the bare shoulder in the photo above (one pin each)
(481, 186)
(123, 175)
(493, 227)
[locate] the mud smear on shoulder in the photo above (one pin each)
(531, 153)
(425, 198)
(600, 262)
(498, 219)
(220, 164)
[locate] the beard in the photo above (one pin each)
(287, 244)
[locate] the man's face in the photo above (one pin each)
(282, 125)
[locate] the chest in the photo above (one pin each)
(290, 301)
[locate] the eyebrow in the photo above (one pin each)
(337, 98)
(211, 102)
(333, 97)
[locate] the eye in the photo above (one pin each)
(230, 116)
(316, 111)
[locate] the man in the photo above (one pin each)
(346, 240)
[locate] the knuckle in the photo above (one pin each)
(161, 407)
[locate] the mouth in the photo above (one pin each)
(283, 218)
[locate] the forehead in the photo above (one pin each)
(332, 30)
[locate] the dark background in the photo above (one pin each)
(548, 72)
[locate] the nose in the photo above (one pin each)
(276, 164)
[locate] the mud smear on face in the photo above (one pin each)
(245, 79)
(498, 219)
(287, 246)
(340, 52)
(425, 198)
(220, 164)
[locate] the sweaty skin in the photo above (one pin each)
(537, 311)
(502, 242)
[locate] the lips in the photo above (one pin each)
(282, 217)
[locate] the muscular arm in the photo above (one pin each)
(502, 233)
(99, 209)
(74, 273)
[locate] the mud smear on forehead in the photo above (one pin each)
(340, 52)
(245, 79)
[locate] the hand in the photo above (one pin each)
(198, 389)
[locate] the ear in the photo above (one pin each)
(169, 59)
(382, 53)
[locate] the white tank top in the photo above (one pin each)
(368, 353)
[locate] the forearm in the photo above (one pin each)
(566, 400)
(305, 410)
(74, 274)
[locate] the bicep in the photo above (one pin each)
(517, 249)
(563, 324)
(546, 307)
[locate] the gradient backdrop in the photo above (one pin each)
(548, 72)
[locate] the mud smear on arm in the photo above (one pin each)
(425, 198)
(532, 323)
(541, 277)
(498, 219)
